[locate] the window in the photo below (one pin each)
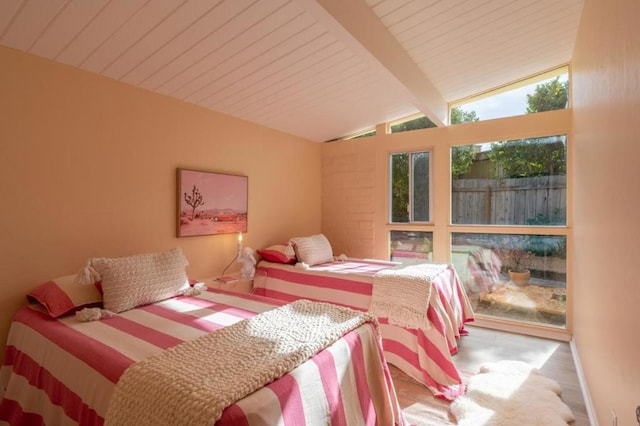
(410, 247)
(516, 182)
(410, 187)
(520, 277)
(365, 135)
(543, 92)
(359, 135)
(411, 123)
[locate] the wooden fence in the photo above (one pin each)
(522, 201)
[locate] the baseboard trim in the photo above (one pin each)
(529, 329)
(593, 419)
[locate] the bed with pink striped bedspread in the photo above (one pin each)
(425, 355)
(61, 371)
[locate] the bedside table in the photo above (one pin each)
(238, 285)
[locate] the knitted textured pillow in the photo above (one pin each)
(313, 250)
(128, 282)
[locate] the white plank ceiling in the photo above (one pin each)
(320, 69)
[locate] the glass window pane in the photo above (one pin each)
(409, 247)
(420, 163)
(411, 124)
(542, 93)
(364, 135)
(400, 187)
(518, 277)
(516, 182)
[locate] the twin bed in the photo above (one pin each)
(279, 356)
(63, 371)
(425, 354)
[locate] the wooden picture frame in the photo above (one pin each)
(211, 203)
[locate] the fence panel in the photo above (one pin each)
(523, 201)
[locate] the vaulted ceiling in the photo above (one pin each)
(320, 69)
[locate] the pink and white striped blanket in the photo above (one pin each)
(424, 354)
(61, 371)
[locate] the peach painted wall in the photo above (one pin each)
(606, 85)
(88, 168)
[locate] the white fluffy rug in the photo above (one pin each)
(508, 393)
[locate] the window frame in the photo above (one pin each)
(564, 230)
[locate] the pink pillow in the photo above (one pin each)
(279, 253)
(64, 296)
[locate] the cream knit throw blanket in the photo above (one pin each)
(402, 295)
(193, 382)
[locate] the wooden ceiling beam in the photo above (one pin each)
(356, 25)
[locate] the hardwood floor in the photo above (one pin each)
(482, 345)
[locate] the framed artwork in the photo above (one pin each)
(211, 203)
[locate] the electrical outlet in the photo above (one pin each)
(614, 418)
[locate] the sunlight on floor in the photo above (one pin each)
(487, 349)
(420, 414)
(545, 350)
(484, 345)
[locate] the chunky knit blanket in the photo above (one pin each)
(193, 382)
(402, 295)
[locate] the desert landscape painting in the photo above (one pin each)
(211, 203)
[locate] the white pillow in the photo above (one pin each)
(128, 282)
(313, 250)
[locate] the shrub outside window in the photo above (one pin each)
(410, 187)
